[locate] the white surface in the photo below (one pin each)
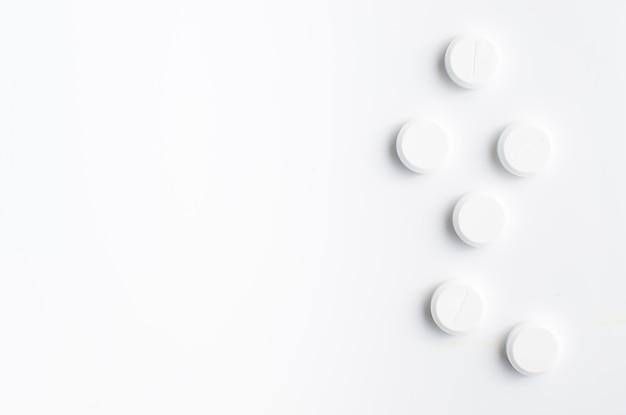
(422, 145)
(471, 61)
(524, 149)
(456, 307)
(185, 227)
(532, 349)
(479, 219)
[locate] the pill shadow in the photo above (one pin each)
(427, 316)
(393, 153)
(441, 68)
(503, 358)
(449, 227)
(495, 160)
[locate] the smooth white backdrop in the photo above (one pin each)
(201, 211)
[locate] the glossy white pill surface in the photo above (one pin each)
(456, 307)
(422, 145)
(471, 61)
(524, 149)
(479, 219)
(532, 349)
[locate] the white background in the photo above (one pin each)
(201, 211)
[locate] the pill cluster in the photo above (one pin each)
(480, 218)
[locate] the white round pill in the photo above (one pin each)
(471, 61)
(422, 145)
(532, 349)
(478, 219)
(456, 308)
(524, 149)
